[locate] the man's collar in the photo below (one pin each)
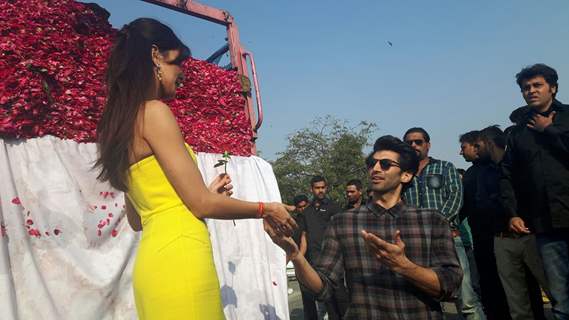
(353, 205)
(431, 161)
(555, 106)
(378, 210)
(483, 161)
(323, 201)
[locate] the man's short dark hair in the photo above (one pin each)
(508, 131)
(355, 182)
(408, 158)
(317, 179)
(418, 130)
(471, 137)
(299, 198)
(538, 69)
(495, 135)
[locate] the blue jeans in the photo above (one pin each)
(469, 303)
(554, 251)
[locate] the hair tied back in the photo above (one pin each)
(124, 31)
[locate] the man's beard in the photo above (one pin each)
(354, 201)
(419, 154)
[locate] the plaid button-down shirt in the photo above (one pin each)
(376, 292)
(437, 187)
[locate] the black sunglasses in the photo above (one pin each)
(418, 142)
(384, 164)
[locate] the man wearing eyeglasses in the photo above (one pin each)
(399, 261)
(437, 186)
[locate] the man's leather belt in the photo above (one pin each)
(509, 234)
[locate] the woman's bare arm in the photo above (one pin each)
(163, 135)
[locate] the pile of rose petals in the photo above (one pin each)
(53, 56)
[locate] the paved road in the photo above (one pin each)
(295, 305)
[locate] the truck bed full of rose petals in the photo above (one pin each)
(53, 57)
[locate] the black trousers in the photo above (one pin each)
(308, 306)
(336, 307)
(493, 296)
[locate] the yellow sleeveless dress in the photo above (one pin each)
(174, 274)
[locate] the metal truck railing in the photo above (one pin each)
(238, 55)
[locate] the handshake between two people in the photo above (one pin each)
(276, 216)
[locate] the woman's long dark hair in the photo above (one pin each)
(130, 82)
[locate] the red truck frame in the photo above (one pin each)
(238, 55)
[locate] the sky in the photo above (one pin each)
(450, 69)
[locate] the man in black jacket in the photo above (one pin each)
(516, 257)
(536, 165)
(481, 206)
(316, 218)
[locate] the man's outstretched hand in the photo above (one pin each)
(283, 241)
(279, 219)
(390, 254)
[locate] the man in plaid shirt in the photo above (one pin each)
(399, 261)
(437, 185)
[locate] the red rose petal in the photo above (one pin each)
(34, 232)
(45, 92)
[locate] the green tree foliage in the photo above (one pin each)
(328, 147)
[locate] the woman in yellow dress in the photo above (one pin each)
(142, 152)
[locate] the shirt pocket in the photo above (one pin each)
(434, 181)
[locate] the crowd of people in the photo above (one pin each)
(396, 255)
(493, 238)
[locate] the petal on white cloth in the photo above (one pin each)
(66, 250)
(67, 247)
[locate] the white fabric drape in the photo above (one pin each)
(251, 269)
(66, 250)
